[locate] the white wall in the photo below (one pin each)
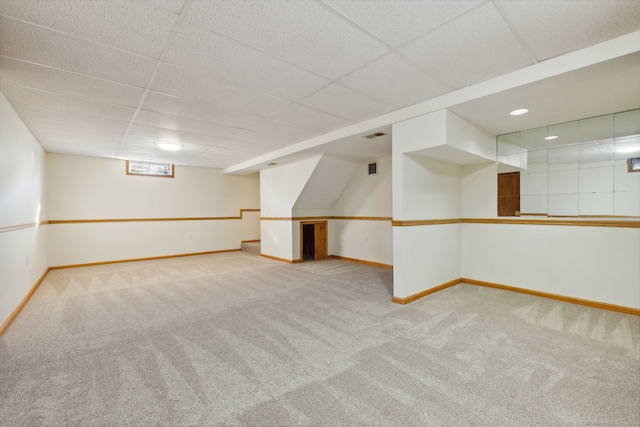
(93, 188)
(365, 196)
(425, 256)
(592, 263)
(428, 255)
(479, 198)
(22, 201)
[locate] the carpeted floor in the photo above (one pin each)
(235, 339)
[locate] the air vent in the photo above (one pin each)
(373, 168)
(375, 135)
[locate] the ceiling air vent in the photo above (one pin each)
(375, 135)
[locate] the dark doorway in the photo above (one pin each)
(509, 194)
(313, 240)
(308, 242)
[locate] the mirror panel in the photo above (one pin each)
(573, 169)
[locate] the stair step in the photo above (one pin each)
(251, 247)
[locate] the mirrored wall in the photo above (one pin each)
(581, 168)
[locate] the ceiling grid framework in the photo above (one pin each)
(235, 80)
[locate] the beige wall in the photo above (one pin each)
(23, 255)
(82, 188)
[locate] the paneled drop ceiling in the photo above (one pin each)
(234, 80)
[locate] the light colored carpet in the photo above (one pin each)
(235, 339)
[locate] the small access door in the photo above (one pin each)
(313, 240)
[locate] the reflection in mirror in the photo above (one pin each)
(578, 168)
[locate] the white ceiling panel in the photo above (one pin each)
(79, 150)
(167, 121)
(188, 84)
(148, 146)
(279, 128)
(54, 80)
(475, 47)
(250, 147)
(76, 140)
(140, 27)
(399, 21)
(197, 110)
(302, 33)
(31, 43)
(265, 139)
(222, 58)
(570, 24)
(394, 81)
(343, 102)
(79, 120)
(217, 153)
(38, 127)
(299, 115)
(246, 77)
(137, 131)
(52, 101)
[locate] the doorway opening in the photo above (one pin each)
(313, 240)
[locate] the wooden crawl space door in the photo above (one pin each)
(313, 240)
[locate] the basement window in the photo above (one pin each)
(135, 167)
(633, 164)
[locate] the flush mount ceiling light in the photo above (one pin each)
(551, 137)
(628, 149)
(169, 146)
(519, 112)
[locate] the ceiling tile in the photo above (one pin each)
(255, 148)
(167, 121)
(222, 58)
(394, 81)
(197, 110)
(49, 137)
(278, 128)
(475, 47)
(214, 153)
(151, 132)
(303, 33)
(79, 150)
(139, 26)
(274, 141)
(79, 120)
(188, 84)
(299, 115)
(47, 100)
(39, 128)
(148, 145)
(38, 77)
(343, 102)
(30, 43)
(570, 24)
(399, 21)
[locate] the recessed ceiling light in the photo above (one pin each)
(169, 146)
(519, 112)
(628, 149)
(551, 137)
